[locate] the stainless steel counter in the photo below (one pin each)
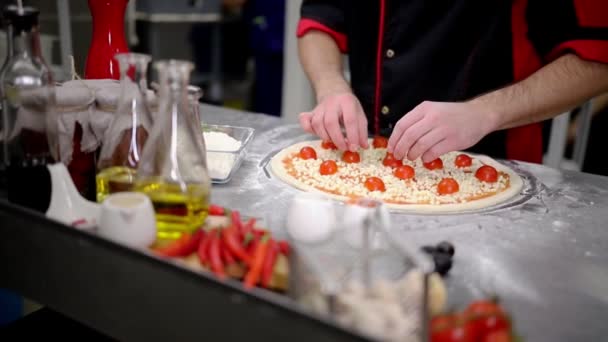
(545, 253)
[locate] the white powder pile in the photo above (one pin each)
(220, 163)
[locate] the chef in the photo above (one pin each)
(439, 76)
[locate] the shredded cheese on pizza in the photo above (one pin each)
(422, 189)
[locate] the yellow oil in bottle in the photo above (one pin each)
(114, 179)
(177, 211)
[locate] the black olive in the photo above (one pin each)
(445, 247)
(443, 263)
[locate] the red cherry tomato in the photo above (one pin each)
(434, 165)
(328, 145)
(485, 317)
(447, 186)
(458, 333)
(375, 184)
(328, 167)
(462, 160)
(351, 157)
(498, 336)
(308, 152)
(404, 172)
(487, 174)
(483, 307)
(380, 142)
(390, 161)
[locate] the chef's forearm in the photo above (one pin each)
(558, 87)
(322, 62)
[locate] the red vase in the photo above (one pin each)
(108, 38)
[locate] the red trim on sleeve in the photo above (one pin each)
(594, 50)
(525, 142)
(591, 13)
(378, 90)
(305, 25)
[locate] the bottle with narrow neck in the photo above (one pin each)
(29, 117)
(173, 169)
(125, 138)
(108, 38)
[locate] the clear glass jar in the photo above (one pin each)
(125, 138)
(29, 117)
(173, 169)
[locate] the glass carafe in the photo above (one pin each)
(29, 117)
(125, 138)
(173, 169)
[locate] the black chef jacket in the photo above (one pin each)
(403, 52)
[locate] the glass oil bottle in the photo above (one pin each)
(125, 138)
(173, 169)
(29, 128)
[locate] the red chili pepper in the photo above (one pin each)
(203, 247)
(230, 237)
(284, 247)
(226, 255)
(236, 222)
(216, 210)
(253, 243)
(184, 246)
(248, 227)
(271, 258)
(259, 232)
(215, 257)
(255, 271)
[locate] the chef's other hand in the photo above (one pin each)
(331, 114)
(435, 128)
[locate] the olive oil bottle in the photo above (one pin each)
(125, 138)
(173, 169)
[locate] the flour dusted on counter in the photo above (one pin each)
(220, 158)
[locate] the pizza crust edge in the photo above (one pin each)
(515, 184)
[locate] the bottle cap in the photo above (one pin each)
(21, 21)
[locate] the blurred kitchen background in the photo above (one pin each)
(241, 49)
(237, 45)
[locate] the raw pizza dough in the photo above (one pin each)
(511, 188)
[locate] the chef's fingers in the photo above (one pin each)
(332, 123)
(437, 151)
(318, 124)
(362, 122)
(350, 119)
(402, 125)
(305, 123)
(425, 143)
(409, 137)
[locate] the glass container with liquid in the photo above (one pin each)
(173, 169)
(29, 117)
(125, 138)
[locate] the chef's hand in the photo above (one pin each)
(333, 112)
(434, 128)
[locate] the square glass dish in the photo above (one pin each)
(225, 153)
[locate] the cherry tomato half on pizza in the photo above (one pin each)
(328, 145)
(375, 184)
(351, 157)
(434, 165)
(462, 160)
(404, 172)
(487, 174)
(447, 186)
(328, 167)
(390, 161)
(380, 142)
(308, 152)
